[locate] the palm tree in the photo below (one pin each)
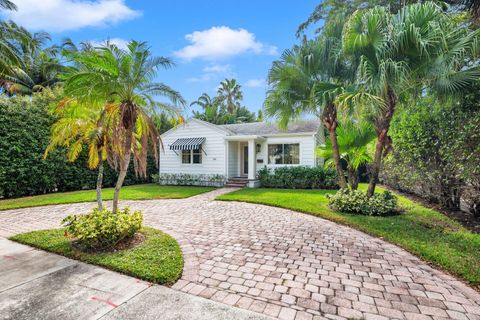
(231, 94)
(122, 81)
(36, 66)
(307, 79)
(7, 5)
(78, 126)
(401, 54)
(211, 109)
(204, 101)
(354, 141)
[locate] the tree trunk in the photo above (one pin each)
(382, 125)
(375, 169)
(353, 178)
(330, 122)
(99, 185)
(123, 168)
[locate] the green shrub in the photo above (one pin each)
(103, 229)
(25, 132)
(298, 177)
(356, 201)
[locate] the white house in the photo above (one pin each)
(235, 152)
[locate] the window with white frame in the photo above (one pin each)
(284, 153)
(192, 156)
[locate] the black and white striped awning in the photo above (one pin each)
(187, 144)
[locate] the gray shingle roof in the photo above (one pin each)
(266, 128)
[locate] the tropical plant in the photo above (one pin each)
(78, 126)
(7, 5)
(354, 144)
(214, 111)
(358, 202)
(230, 94)
(307, 79)
(298, 177)
(401, 54)
(121, 80)
(102, 229)
(33, 66)
(211, 109)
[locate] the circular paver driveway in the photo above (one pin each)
(285, 264)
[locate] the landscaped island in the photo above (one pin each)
(157, 259)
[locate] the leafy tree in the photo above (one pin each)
(78, 126)
(307, 79)
(35, 66)
(230, 93)
(401, 54)
(214, 111)
(121, 79)
(354, 144)
(330, 10)
(260, 116)
(438, 145)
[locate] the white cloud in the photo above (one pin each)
(255, 83)
(119, 42)
(222, 42)
(62, 15)
(214, 72)
(217, 68)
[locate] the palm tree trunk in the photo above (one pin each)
(382, 125)
(99, 185)
(353, 178)
(123, 169)
(330, 121)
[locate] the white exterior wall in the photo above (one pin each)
(214, 146)
(233, 159)
(307, 149)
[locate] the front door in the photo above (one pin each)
(245, 160)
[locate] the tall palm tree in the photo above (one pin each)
(79, 126)
(354, 140)
(122, 80)
(204, 101)
(36, 66)
(307, 79)
(230, 93)
(402, 54)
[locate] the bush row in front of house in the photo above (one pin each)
(298, 177)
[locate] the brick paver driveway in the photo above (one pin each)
(286, 264)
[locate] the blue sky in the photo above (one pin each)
(208, 40)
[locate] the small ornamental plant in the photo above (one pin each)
(102, 229)
(356, 201)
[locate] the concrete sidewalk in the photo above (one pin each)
(38, 285)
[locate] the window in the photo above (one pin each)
(191, 156)
(284, 153)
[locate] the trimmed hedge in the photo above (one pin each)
(298, 177)
(24, 134)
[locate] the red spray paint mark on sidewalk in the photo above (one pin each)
(9, 257)
(110, 303)
(148, 284)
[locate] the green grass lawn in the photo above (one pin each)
(135, 192)
(158, 259)
(425, 232)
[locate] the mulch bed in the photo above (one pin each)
(464, 218)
